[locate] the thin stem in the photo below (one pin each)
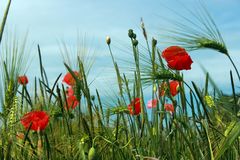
(4, 20)
(234, 66)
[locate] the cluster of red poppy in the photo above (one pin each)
(38, 120)
(173, 88)
(23, 80)
(72, 101)
(135, 106)
(178, 59)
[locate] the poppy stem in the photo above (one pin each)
(234, 66)
(39, 144)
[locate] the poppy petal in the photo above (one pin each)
(38, 119)
(152, 103)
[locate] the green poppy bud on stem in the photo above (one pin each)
(135, 42)
(92, 97)
(154, 42)
(134, 36)
(91, 153)
(108, 40)
(130, 33)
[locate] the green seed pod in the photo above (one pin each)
(108, 40)
(91, 153)
(130, 33)
(135, 42)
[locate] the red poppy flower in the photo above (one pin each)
(152, 103)
(39, 120)
(177, 58)
(70, 91)
(172, 51)
(174, 88)
(69, 79)
(23, 80)
(135, 107)
(169, 108)
(72, 102)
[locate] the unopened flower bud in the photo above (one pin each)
(134, 36)
(135, 42)
(130, 33)
(154, 42)
(92, 97)
(108, 40)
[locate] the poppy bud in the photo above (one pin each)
(130, 33)
(135, 42)
(154, 42)
(108, 40)
(92, 97)
(134, 36)
(91, 153)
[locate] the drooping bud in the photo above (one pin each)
(134, 36)
(130, 33)
(135, 42)
(108, 40)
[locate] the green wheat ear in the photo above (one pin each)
(212, 44)
(10, 93)
(167, 75)
(12, 115)
(196, 31)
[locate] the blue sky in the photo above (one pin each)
(51, 21)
